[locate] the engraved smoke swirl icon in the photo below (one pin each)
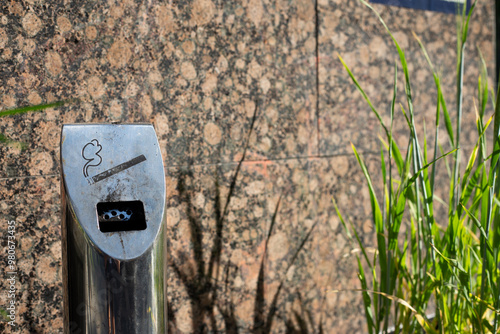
(90, 153)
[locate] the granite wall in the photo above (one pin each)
(199, 71)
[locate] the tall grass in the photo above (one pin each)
(446, 265)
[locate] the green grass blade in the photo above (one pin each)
(460, 83)
(365, 97)
(447, 118)
(358, 240)
(417, 174)
(376, 214)
(481, 229)
(402, 58)
(441, 100)
(38, 107)
(483, 91)
(394, 153)
(469, 182)
(397, 214)
(372, 329)
(382, 165)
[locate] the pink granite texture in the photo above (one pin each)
(198, 70)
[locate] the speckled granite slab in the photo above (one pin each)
(241, 291)
(199, 68)
(304, 215)
(33, 203)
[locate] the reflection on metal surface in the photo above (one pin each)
(113, 229)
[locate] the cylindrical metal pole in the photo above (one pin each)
(113, 206)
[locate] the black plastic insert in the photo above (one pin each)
(121, 216)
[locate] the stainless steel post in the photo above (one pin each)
(113, 209)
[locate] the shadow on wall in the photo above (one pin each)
(210, 295)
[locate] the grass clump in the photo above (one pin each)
(442, 276)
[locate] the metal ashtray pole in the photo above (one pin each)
(113, 213)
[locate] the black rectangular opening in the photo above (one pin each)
(121, 216)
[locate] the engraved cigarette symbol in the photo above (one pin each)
(90, 153)
(117, 169)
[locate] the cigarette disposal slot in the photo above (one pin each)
(114, 242)
(121, 216)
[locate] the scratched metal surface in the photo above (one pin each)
(114, 163)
